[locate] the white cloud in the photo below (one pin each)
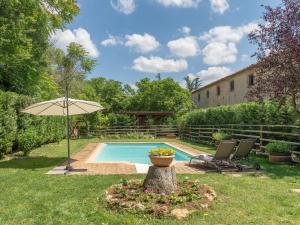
(159, 65)
(111, 41)
(180, 3)
(124, 6)
(219, 6)
(211, 74)
(228, 33)
(217, 53)
(142, 43)
(184, 47)
(62, 39)
(221, 43)
(185, 30)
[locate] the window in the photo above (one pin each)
(199, 97)
(207, 94)
(218, 90)
(232, 85)
(251, 80)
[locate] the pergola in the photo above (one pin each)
(143, 115)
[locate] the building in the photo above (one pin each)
(226, 91)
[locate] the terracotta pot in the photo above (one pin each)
(161, 161)
(295, 156)
(279, 157)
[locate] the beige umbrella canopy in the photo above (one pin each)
(63, 107)
(58, 107)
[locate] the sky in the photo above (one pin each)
(133, 39)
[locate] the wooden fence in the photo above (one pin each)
(262, 133)
(157, 131)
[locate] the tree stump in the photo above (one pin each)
(161, 180)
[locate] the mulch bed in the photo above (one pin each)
(189, 197)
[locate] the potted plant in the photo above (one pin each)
(295, 156)
(220, 136)
(161, 157)
(279, 152)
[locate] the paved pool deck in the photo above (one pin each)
(81, 165)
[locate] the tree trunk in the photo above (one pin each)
(161, 180)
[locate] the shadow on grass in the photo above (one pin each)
(32, 163)
(279, 170)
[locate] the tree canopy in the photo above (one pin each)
(278, 54)
(160, 95)
(69, 69)
(25, 26)
(30, 65)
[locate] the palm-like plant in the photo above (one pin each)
(67, 68)
(192, 83)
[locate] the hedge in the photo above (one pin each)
(245, 113)
(23, 132)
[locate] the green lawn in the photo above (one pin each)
(28, 196)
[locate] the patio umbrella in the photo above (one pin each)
(63, 107)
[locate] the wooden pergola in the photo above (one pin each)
(143, 115)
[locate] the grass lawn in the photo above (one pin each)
(28, 196)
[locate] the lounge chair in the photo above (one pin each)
(242, 154)
(221, 158)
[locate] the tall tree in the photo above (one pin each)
(192, 83)
(111, 94)
(25, 26)
(160, 95)
(70, 69)
(158, 76)
(278, 54)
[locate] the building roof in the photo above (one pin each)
(225, 78)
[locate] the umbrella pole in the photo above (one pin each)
(68, 131)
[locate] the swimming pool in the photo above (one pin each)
(134, 152)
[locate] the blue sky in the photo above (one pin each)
(132, 39)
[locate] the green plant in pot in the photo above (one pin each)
(295, 156)
(220, 136)
(279, 152)
(161, 157)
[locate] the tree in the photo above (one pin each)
(160, 95)
(111, 94)
(158, 76)
(70, 69)
(278, 54)
(25, 26)
(192, 83)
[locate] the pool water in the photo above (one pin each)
(134, 152)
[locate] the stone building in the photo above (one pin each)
(229, 90)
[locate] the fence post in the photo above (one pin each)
(260, 137)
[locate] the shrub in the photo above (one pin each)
(27, 140)
(245, 113)
(278, 147)
(8, 122)
(23, 131)
(162, 152)
(219, 136)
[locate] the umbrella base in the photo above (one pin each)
(69, 168)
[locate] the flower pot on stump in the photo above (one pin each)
(161, 161)
(161, 177)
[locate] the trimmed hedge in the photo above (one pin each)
(23, 132)
(245, 113)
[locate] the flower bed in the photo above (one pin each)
(189, 197)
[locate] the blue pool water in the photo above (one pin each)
(134, 152)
